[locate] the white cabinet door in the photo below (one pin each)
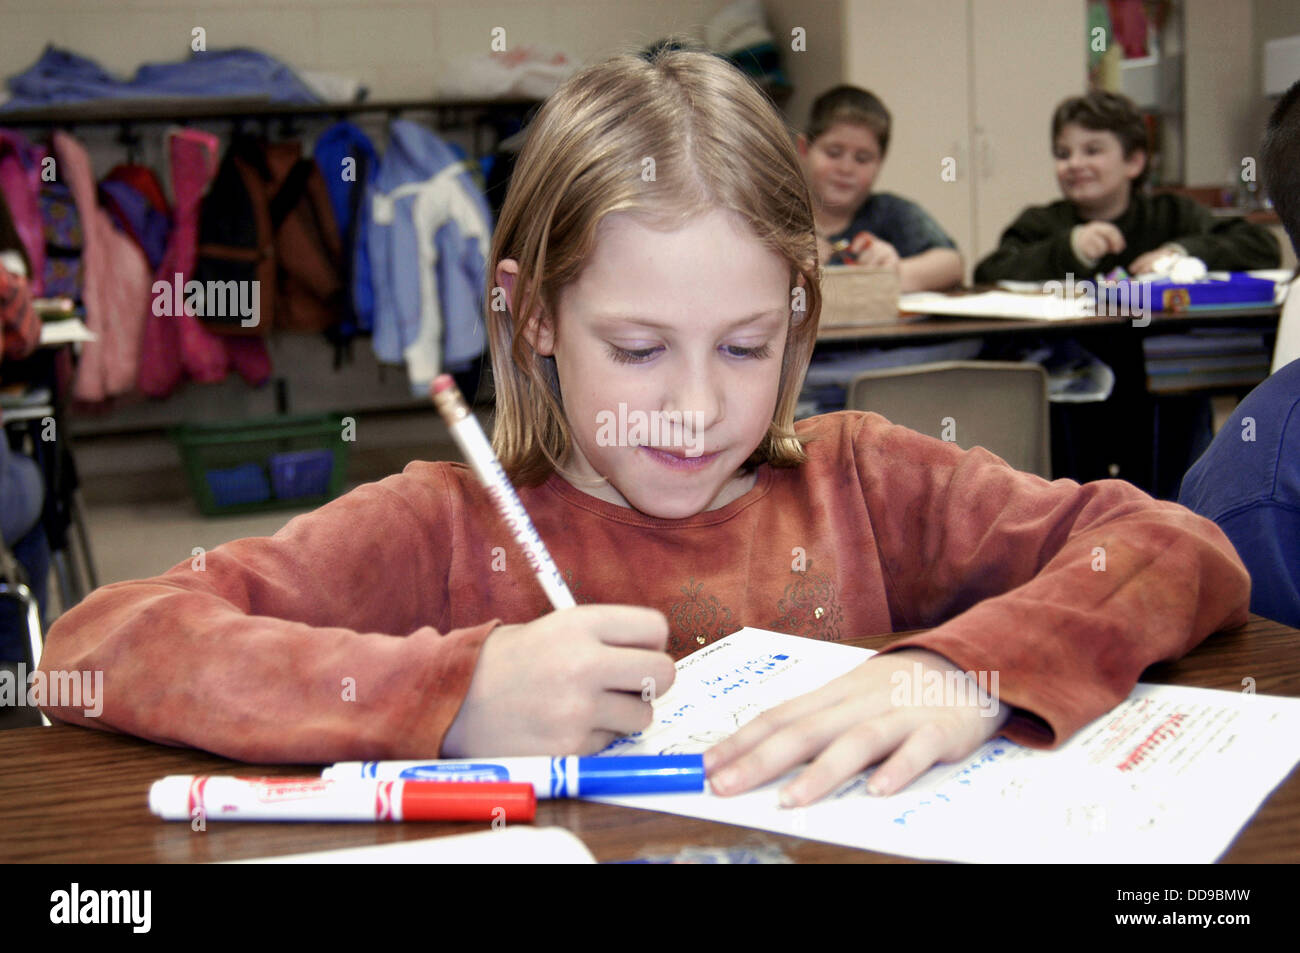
(1027, 55)
(914, 56)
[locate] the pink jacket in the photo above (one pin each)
(117, 286)
(20, 180)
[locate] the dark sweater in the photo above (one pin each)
(1037, 245)
(899, 221)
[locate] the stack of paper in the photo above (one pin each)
(999, 304)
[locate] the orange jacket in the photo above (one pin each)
(397, 584)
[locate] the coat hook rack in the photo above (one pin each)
(129, 137)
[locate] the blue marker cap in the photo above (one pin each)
(641, 774)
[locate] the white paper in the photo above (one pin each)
(999, 304)
(1169, 776)
(65, 331)
(513, 844)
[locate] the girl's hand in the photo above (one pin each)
(567, 683)
(853, 722)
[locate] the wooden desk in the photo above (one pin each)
(1139, 432)
(940, 327)
(72, 795)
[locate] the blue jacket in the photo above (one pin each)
(344, 140)
(60, 76)
(1248, 482)
(426, 271)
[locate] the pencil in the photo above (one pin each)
(473, 443)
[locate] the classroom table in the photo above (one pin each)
(77, 795)
(1087, 439)
(918, 329)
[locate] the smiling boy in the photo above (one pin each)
(1099, 142)
(842, 155)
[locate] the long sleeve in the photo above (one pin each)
(315, 644)
(1068, 592)
(1224, 244)
(1035, 247)
(899, 221)
(1248, 482)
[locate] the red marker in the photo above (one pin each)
(842, 246)
(183, 797)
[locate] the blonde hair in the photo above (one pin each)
(716, 143)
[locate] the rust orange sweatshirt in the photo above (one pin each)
(397, 584)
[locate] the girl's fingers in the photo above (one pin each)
(752, 734)
(851, 752)
(918, 744)
(643, 671)
(782, 750)
(921, 750)
(829, 695)
(599, 741)
(623, 713)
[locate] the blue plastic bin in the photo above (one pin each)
(301, 473)
(232, 486)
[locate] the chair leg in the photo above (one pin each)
(67, 592)
(35, 639)
(83, 534)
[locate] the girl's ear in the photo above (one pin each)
(801, 143)
(537, 331)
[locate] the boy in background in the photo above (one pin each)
(1105, 221)
(841, 154)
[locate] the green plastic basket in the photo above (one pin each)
(241, 468)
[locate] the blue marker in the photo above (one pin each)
(550, 777)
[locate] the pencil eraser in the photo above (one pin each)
(443, 382)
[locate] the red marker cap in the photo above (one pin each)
(468, 801)
(442, 382)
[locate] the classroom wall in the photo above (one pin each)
(820, 65)
(1221, 87)
(915, 57)
(976, 82)
(1272, 20)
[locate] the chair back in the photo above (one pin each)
(999, 405)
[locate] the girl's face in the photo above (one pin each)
(1091, 168)
(841, 165)
(668, 348)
